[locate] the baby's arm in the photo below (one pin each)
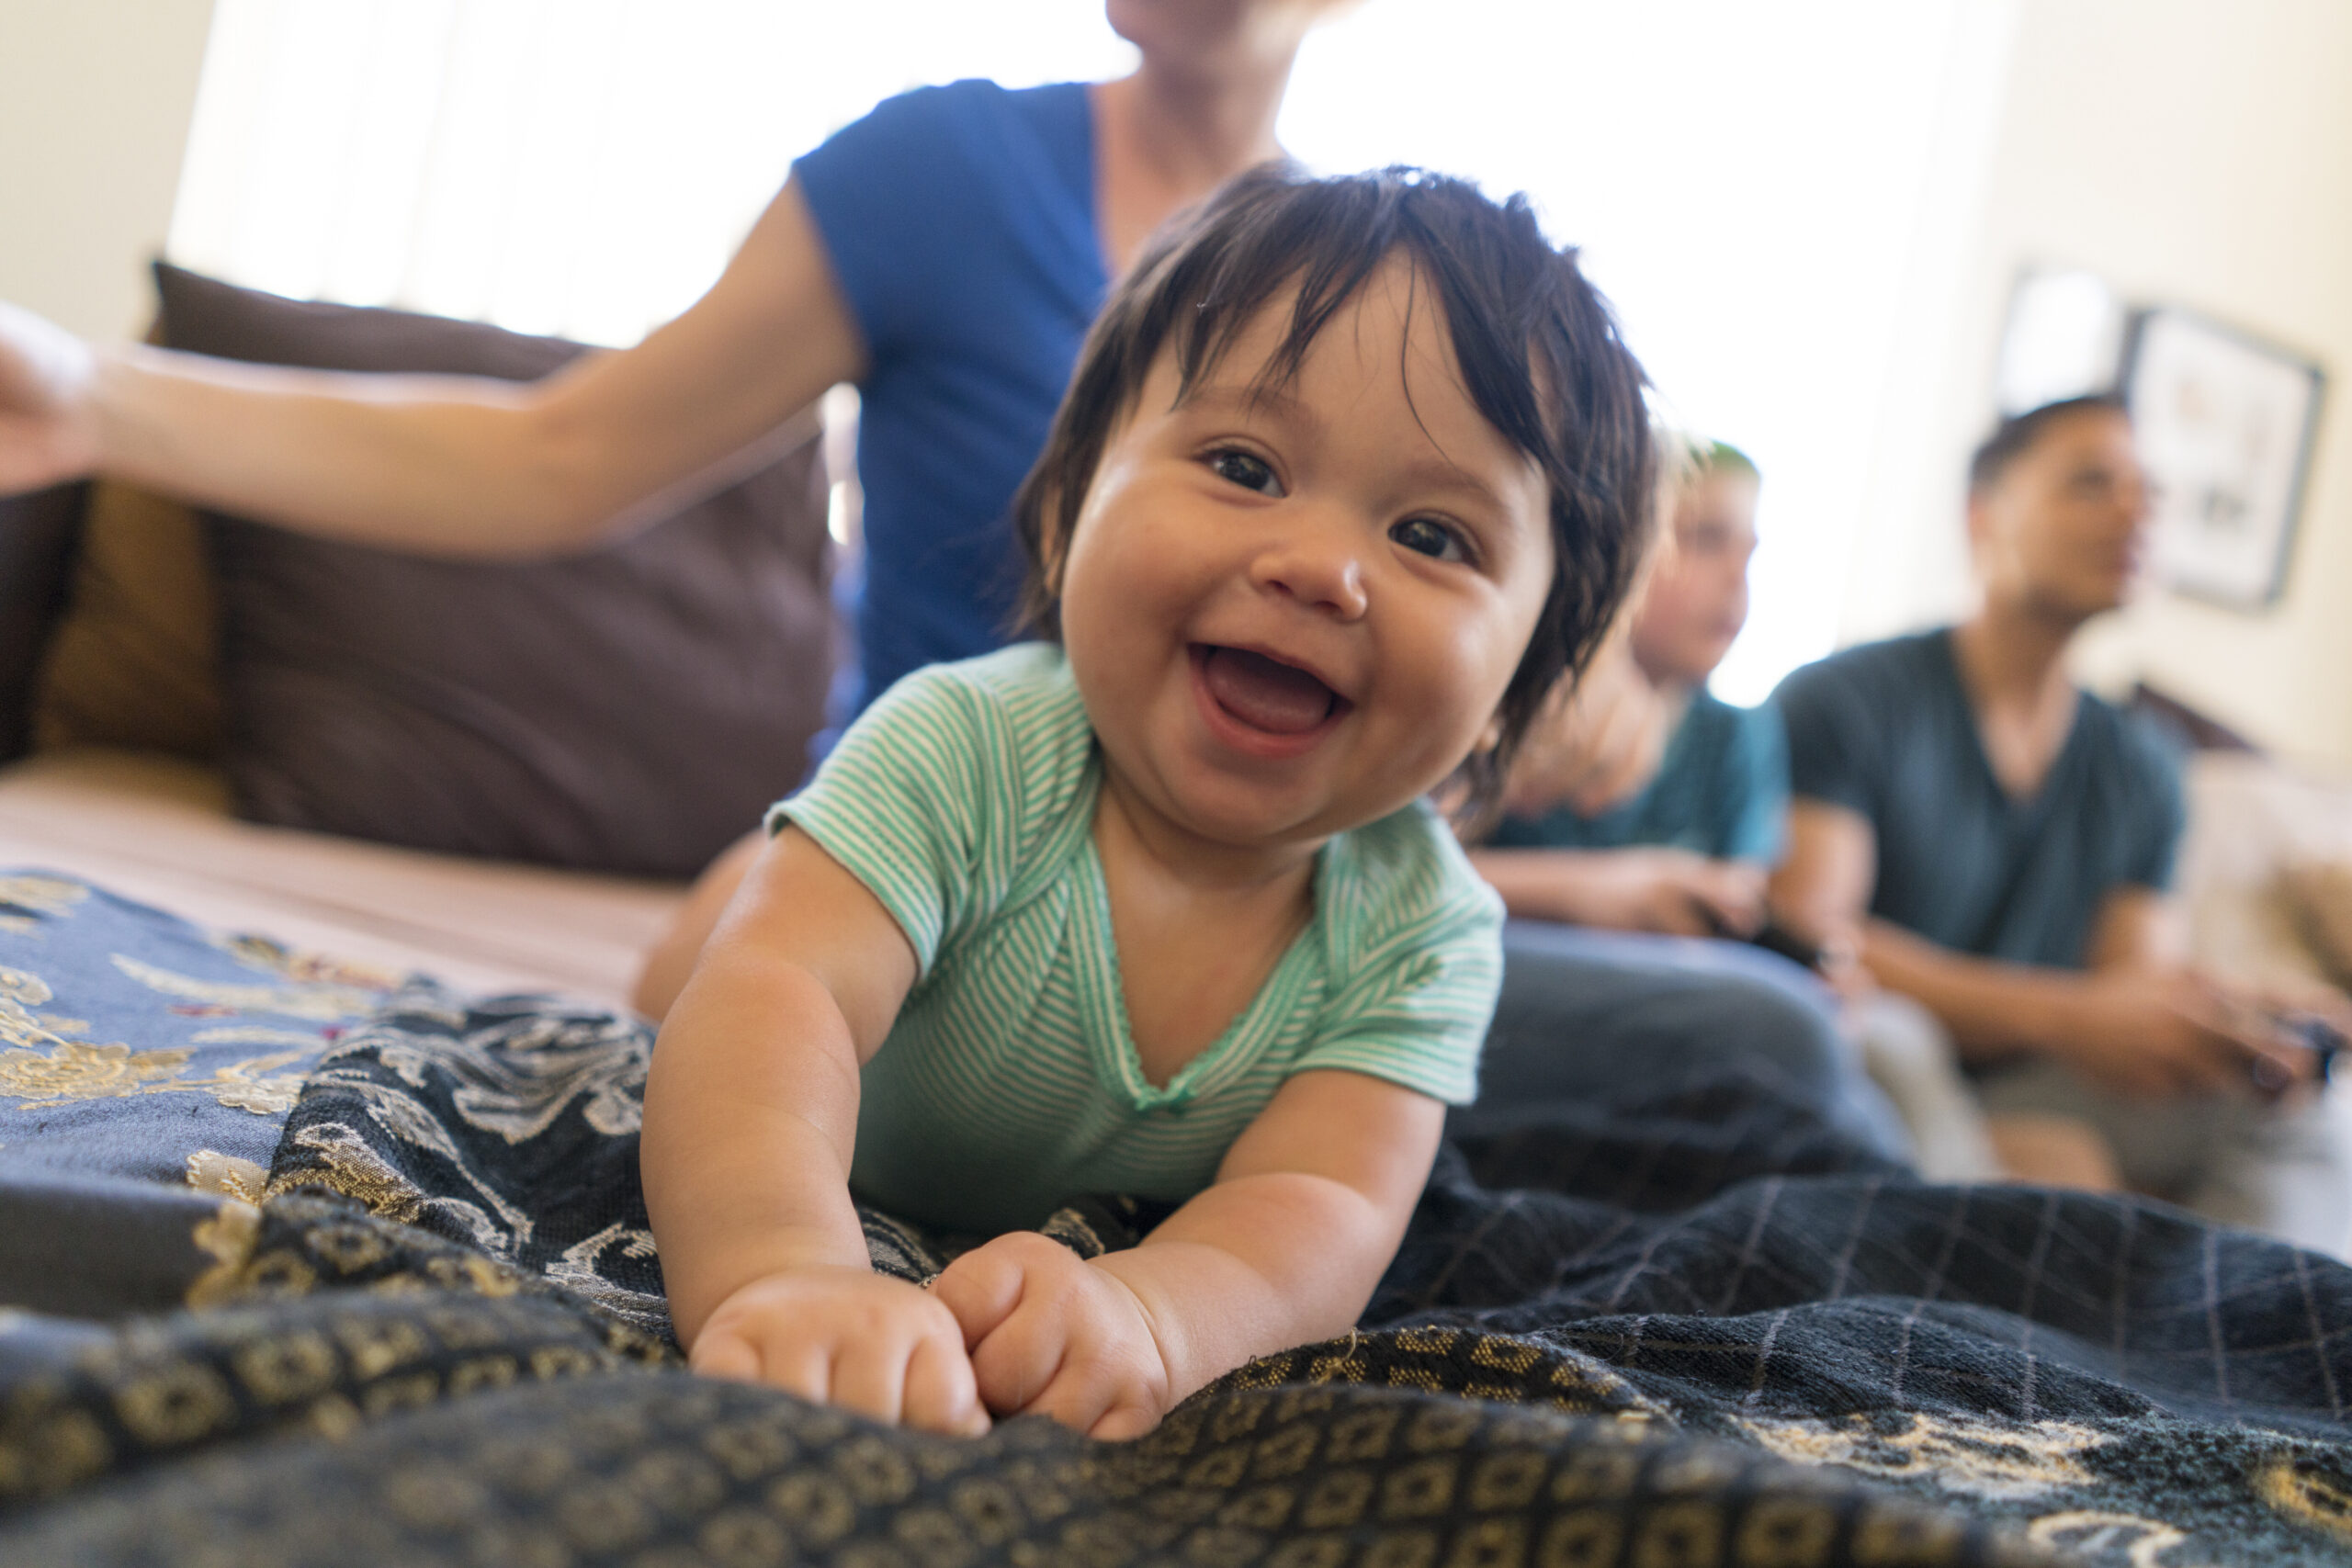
(751, 1117)
(1285, 1249)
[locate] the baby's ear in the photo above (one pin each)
(1490, 736)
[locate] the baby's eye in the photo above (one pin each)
(1430, 538)
(1244, 468)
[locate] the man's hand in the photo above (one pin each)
(47, 433)
(848, 1337)
(2178, 1035)
(1055, 1336)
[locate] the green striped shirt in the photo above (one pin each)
(965, 799)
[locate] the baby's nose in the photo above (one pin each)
(1319, 563)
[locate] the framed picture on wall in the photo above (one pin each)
(2227, 424)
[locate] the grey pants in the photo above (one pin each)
(1587, 1013)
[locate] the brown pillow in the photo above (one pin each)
(134, 659)
(37, 532)
(631, 710)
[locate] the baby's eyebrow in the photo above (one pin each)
(1435, 474)
(1244, 398)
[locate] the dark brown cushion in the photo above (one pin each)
(37, 538)
(630, 710)
(134, 661)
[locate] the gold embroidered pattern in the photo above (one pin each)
(2304, 1494)
(1979, 1457)
(1447, 1360)
(324, 1003)
(74, 1070)
(2144, 1542)
(210, 1171)
(228, 1237)
(18, 986)
(47, 1065)
(24, 900)
(308, 969)
(77, 1071)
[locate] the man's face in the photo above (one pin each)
(2063, 531)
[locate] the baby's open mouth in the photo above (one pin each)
(1265, 694)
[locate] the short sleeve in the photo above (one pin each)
(1826, 725)
(1756, 775)
(1419, 992)
(906, 803)
(876, 189)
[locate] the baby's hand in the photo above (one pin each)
(847, 1337)
(1055, 1336)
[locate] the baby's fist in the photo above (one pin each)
(1051, 1335)
(847, 1336)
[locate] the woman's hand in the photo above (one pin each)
(847, 1337)
(48, 434)
(1052, 1334)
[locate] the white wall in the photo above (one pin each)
(2190, 152)
(95, 98)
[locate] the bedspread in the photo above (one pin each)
(1697, 1329)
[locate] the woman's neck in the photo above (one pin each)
(1164, 139)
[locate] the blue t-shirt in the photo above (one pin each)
(1886, 730)
(1722, 790)
(960, 224)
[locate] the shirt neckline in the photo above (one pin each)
(2016, 808)
(1102, 1001)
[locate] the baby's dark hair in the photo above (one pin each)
(1537, 348)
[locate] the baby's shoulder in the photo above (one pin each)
(1402, 874)
(1019, 705)
(1010, 729)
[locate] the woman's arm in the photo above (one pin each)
(751, 1122)
(448, 465)
(1284, 1249)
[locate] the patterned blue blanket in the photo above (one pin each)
(307, 1265)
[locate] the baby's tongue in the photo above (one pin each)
(1265, 694)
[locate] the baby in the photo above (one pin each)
(1350, 473)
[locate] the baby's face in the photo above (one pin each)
(1294, 614)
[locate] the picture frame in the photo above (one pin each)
(2226, 422)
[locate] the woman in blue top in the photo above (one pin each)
(946, 253)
